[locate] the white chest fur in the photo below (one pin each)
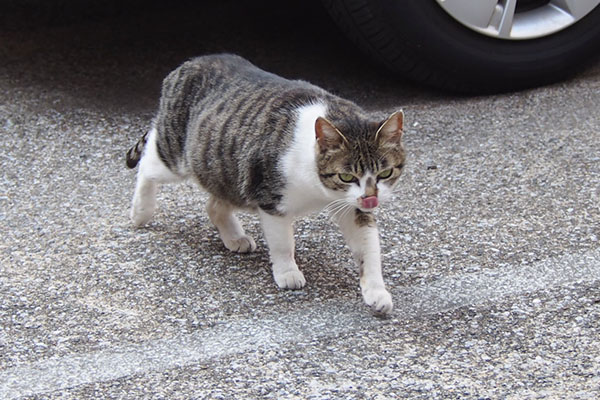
(304, 192)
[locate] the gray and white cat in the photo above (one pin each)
(256, 141)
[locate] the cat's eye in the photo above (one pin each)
(348, 178)
(385, 174)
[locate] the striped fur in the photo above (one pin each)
(283, 148)
(227, 123)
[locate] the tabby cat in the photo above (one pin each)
(255, 141)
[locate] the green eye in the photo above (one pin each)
(385, 174)
(348, 178)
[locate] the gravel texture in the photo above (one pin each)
(490, 250)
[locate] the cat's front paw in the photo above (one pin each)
(245, 244)
(293, 279)
(379, 300)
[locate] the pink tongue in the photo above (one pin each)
(370, 202)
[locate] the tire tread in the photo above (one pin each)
(365, 26)
(357, 21)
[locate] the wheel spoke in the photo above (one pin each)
(499, 18)
(575, 8)
(508, 16)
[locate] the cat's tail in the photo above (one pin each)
(135, 153)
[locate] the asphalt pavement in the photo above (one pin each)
(490, 250)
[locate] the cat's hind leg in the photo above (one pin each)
(152, 171)
(230, 229)
(143, 204)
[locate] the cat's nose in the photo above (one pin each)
(369, 202)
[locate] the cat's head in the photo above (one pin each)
(360, 161)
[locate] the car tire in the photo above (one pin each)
(419, 40)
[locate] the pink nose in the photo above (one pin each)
(369, 202)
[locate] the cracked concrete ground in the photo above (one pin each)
(490, 250)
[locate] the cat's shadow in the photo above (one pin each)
(326, 264)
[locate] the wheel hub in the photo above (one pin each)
(518, 19)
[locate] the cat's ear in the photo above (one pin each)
(391, 129)
(328, 136)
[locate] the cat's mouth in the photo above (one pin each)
(368, 202)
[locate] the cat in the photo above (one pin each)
(256, 141)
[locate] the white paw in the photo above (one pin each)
(379, 300)
(291, 279)
(141, 215)
(245, 244)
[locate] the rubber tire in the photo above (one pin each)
(419, 40)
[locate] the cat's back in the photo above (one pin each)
(229, 122)
(225, 91)
(212, 68)
(223, 75)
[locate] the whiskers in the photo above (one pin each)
(338, 209)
